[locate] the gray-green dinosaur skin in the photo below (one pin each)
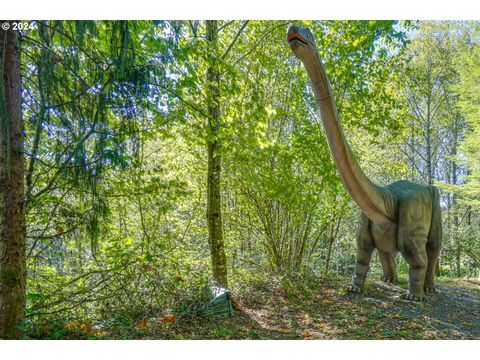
(402, 216)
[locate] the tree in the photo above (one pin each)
(12, 205)
(427, 92)
(89, 110)
(280, 161)
(468, 66)
(214, 197)
(435, 125)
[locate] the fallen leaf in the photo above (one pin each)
(147, 267)
(168, 319)
(87, 328)
(306, 334)
(142, 324)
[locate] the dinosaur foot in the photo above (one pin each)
(411, 297)
(429, 289)
(355, 289)
(388, 279)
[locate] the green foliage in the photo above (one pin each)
(468, 66)
(116, 117)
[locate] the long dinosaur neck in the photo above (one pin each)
(375, 202)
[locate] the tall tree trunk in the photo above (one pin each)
(428, 127)
(458, 259)
(428, 138)
(331, 240)
(214, 199)
(12, 198)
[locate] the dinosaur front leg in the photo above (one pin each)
(434, 243)
(364, 254)
(361, 269)
(432, 254)
(388, 266)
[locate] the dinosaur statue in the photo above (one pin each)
(402, 216)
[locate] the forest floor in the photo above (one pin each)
(319, 309)
(328, 312)
(331, 313)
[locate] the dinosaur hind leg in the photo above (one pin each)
(417, 262)
(388, 265)
(412, 244)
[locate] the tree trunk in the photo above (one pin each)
(428, 138)
(329, 254)
(214, 200)
(12, 199)
(456, 236)
(428, 133)
(331, 240)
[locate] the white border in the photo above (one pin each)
(241, 350)
(241, 9)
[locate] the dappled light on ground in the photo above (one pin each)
(330, 313)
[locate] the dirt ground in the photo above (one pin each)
(331, 313)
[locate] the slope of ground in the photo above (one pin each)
(331, 313)
(328, 312)
(319, 309)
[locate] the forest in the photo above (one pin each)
(175, 180)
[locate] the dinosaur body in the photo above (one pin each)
(402, 216)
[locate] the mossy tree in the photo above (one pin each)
(12, 206)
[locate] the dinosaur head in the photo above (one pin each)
(301, 41)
